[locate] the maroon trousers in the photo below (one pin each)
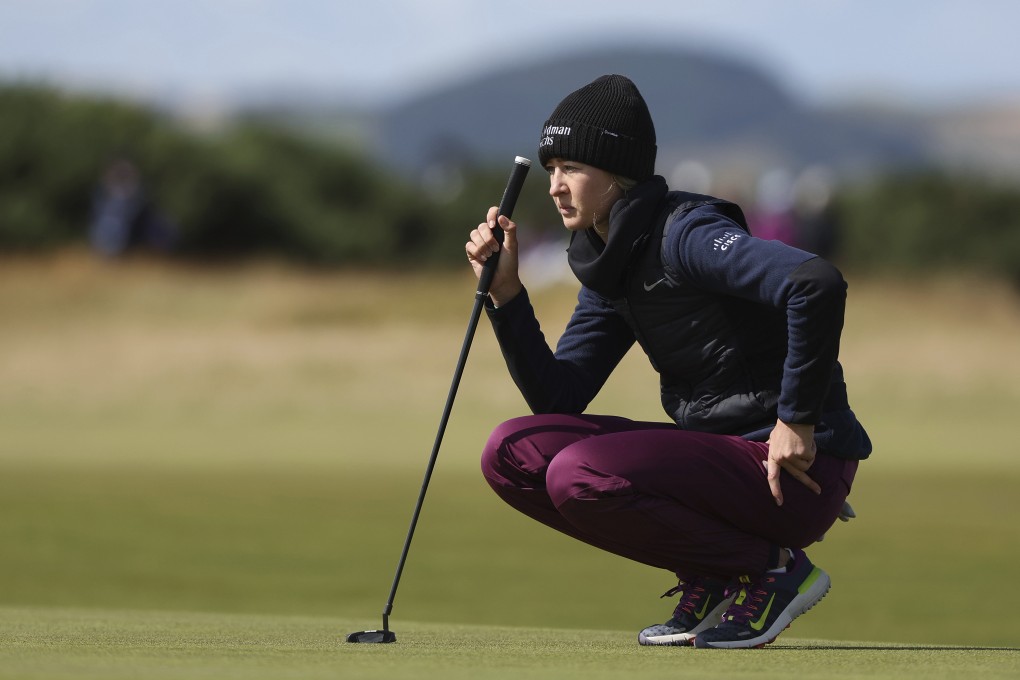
(696, 504)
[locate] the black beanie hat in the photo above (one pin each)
(605, 124)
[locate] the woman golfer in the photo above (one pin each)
(744, 334)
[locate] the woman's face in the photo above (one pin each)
(583, 194)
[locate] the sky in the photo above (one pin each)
(920, 52)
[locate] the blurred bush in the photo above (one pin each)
(259, 188)
(251, 189)
(51, 150)
(930, 222)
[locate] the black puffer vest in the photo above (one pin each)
(720, 358)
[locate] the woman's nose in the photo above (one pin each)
(556, 186)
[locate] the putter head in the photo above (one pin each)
(373, 636)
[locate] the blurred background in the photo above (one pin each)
(337, 134)
(232, 288)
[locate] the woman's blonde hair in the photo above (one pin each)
(625, 183)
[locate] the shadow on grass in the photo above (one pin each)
(891, 648)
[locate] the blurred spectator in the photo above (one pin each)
(693, 176)
(543, 262)
(772, 217)
(812, 203)
(123, 216)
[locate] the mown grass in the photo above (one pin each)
(326, 544)
(101, 644)
(248, 444)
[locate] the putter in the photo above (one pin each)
(506, 207)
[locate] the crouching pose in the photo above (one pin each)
(761, 447)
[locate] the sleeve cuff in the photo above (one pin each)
(518, 300)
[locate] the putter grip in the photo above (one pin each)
(506, 207)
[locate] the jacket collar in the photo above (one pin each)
(603, 266)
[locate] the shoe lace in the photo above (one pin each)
(690, 595)
(753, 594)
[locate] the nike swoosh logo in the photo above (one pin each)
(699, 615)
(760, 623)
(649, 287)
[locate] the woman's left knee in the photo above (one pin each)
(571, 476)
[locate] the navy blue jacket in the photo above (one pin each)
(783, 309)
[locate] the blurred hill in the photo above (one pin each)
(727, 114)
